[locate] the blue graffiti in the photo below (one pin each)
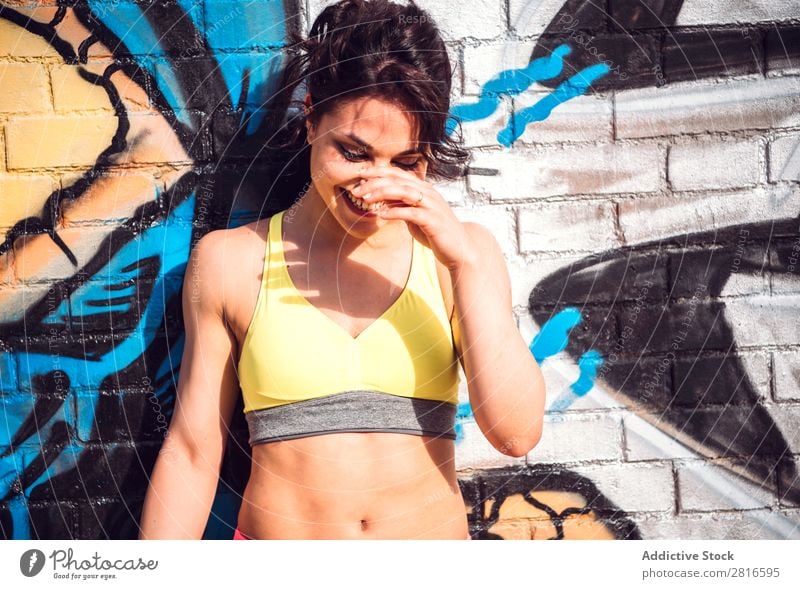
(588, 364)
(463, 414)
(574, 86)
(108, 290)
(551, 339)
(514, 81)
(554, 335)
(508, 83)
(34, 423)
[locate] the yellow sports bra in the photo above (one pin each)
(302, 374)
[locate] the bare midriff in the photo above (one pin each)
(352, 485)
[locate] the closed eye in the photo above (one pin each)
(358, 156)
(350, 155)
(411, 166)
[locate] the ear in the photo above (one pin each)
(307, 109)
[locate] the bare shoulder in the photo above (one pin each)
(481, 236)
(221, 260)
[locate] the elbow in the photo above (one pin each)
(522, 442)
(519, 446)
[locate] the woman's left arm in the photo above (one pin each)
(506, 387)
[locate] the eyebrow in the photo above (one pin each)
(367, 146)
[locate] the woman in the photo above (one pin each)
(343, 326)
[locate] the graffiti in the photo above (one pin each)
(571, 88)
(507, 83)
(668, 329)
(542, 503)
(681, 370)
(512, 82)
(572, 25)
(92, 345)
(131, 144)
(588, 365)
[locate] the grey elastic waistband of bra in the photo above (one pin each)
(352, 411)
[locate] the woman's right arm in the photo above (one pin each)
(184, 480)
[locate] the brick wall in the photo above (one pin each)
(642, 177)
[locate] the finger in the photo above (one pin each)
(412, 214)
(372, 184)
(377, 171)
(405, 193)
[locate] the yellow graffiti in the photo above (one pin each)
(520, 520)
(57, 125)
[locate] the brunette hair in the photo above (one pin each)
(356, 49)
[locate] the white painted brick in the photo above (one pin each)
(526, 274)
(744, 283)
(483, 62)
(453, 191)
(570, 438)
(483, 133)
(532, 18)
(568, 226)
(523, 280)
(788, 281)
(749, 525)
(454, 54)
(734, 11)
(763, 320)
(644, 441)
(697, 491)
(780, 151)
(634, 487)
(584, 119)
(713, 164)
(498, 219)
(463, 390)
(708, 106)
(786, 366)
(477, 19)
(475, 451)
(656, 218)
(499, 177)
(592, 169)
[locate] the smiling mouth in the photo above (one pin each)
(359, 203)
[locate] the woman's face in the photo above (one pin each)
(360, 133)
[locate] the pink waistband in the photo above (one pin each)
(237, 535)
